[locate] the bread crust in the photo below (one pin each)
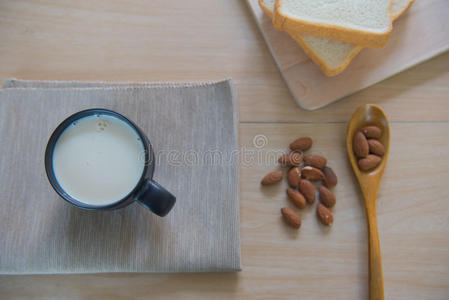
(335, 32)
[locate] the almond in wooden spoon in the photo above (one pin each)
(376, 147)
(369, 162)
(372, 132)
(360, 145)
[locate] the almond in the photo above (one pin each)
(272, 177)
(297, 198)
(291, 218)
(326, 197)
(290, 159)
(324, 215)
(316, 161)
(312, 174)
(360, 145)
(301, 144)
(307, 189)
(369, 162)
(294, 177)
(376, 147)
(330, 179)
(372, 132)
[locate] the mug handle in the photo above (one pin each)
(155, 198)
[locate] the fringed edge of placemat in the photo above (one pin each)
(72, 84)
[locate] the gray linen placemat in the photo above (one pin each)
(193, 129)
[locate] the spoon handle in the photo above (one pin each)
(376, 285)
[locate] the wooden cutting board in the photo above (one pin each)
(419, 34)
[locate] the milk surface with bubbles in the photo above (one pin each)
(98, 159)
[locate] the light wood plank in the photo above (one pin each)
(315, 262)
(148, 41)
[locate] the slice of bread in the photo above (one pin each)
(330, 55)
(360, 22)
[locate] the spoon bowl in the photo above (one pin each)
(369, 182)
(365, 115)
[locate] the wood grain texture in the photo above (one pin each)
(147, 41)
(312, 89)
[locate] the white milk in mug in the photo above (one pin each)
(98, 159)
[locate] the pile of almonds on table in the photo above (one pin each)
(367, 147)
(303, 170)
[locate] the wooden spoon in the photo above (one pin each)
(369, 181)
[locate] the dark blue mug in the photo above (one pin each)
(147, 192)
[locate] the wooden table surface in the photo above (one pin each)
(171, 40)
